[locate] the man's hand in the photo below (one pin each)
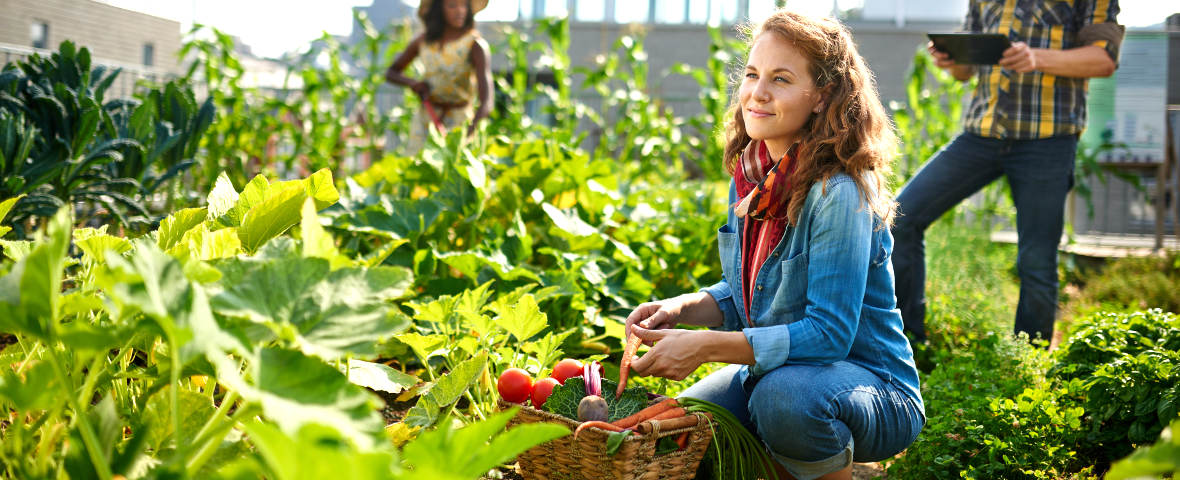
(675, 355)
(1019, 58)
(941, 59)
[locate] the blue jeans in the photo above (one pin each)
(1040, 174)
(817, 419)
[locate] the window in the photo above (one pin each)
(590, 10)
(671, 11)
(149, 55)
(39, 33)
(556, 8)
(632, 12)
(698, 11)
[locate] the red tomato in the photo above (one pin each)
(542, 390)
(515, 385)
(565, 369)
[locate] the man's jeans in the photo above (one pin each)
(1039, 172)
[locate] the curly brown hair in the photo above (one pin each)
(852, 134)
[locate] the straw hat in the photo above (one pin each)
(476, 6)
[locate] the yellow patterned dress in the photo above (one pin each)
(447, 69)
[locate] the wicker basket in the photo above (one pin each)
(586, 459)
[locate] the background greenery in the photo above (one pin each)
(202, 288)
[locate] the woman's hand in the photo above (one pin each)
(655, 315)
(675, 355)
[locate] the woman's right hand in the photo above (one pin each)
(421, 88)
(655, 315)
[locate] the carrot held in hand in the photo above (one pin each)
(646, 413)
(633, 343)
(596, 424)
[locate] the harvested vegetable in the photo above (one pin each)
(593, 408)
(541, 391)
(736, 453)
(633, 343)
(567, 368)
(595, 424)
(565, 398)
(670, 413)
(646, 413)
(515, 385)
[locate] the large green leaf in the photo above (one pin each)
(471, 264)
(30, 291)
(252, 194)
(195, 410)
(95, 243)
(295, 389)
(271, 217)
(379, 377)
(5, 207)
(446, 391)
(522, 319)
(320, 188)
(173, 228)
(222, 198)
(199, 243)
(423, 346)
(471, 451)
(31, 386)
(317, 242)
(401, 218)
(313, 452)
(326, 313)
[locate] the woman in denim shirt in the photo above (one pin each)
(805, 313)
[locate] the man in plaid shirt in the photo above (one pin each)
(1023, 123)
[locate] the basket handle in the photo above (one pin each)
(655, 426)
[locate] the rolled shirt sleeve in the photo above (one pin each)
(837, 272)
(723, 295)
(1099, 26)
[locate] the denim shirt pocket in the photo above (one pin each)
(727, 244)
(792, 292)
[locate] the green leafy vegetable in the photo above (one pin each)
(564, 399)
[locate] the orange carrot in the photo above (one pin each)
(670, 413)
(681, 440)
(645, 414)
(596, 424)
(633, 343)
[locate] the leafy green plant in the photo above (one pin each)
(1162, 458)
(1130, 364)
(62, 143)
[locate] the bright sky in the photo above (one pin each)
(272, 27)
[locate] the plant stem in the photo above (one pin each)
(209, 445)
(89, 439)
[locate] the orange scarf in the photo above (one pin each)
(762, 183)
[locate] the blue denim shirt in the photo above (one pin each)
(825, 293)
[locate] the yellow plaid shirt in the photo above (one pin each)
(1035, 105)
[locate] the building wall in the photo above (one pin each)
(113, 35)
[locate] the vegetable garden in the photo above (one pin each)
(181, 299)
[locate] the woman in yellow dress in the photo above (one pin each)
(455, 66)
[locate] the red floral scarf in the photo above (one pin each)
(762, 183)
